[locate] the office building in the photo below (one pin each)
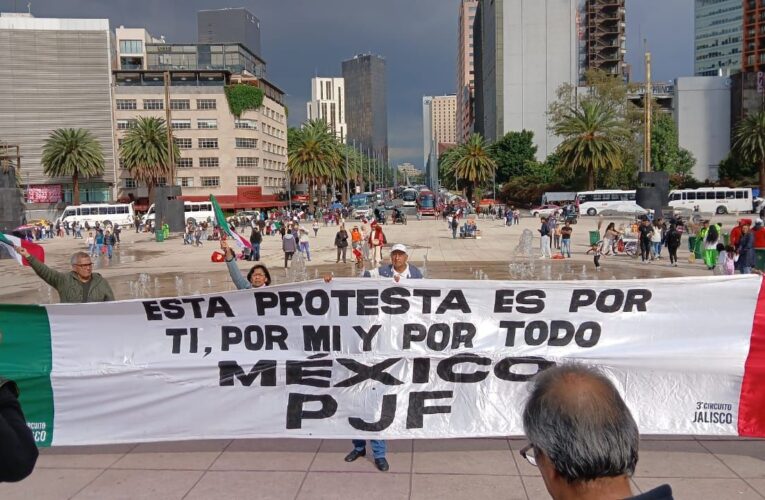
(438, 123)
(753, 57)
(409, 171)
(231, 25)
(465, 70)
(328, 104)
(56, 74)
(702, 104)
(130, 44)
(718, 36)
(605, 37)
(366, 104)
(528, 49)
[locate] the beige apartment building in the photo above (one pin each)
(220, 154)
(465, 115)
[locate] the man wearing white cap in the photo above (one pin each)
(399, 267)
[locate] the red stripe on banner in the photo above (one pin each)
(751, 407)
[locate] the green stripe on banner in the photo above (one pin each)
(25, 356)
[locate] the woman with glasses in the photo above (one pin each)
(257, 277)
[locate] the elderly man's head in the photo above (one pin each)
(82, 265)
(582, 435)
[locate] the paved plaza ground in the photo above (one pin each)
(697, 467)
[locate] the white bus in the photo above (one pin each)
(409, 197)
(608, 200)
(198, 210)
(104, 213)
(719, 200)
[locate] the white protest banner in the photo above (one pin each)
(379, 359)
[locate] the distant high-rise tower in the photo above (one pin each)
(465, 71)
(438, 122)
(605, 38)
(328, 104)
(365, 103)
(718, 37)
(232, 25)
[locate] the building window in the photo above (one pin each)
(186, 182)
(246, 161)
(207, 124)
(246, 124)
(206, 104)
(209, 162)
(246, 143)
(176, 124)
(131, 47)
(210, 181)
(161, 181)
(183, 142)
(184, 163)
(207, 143)
(153, 104)
(180, 104)
(126, 104)
(125, 124)
(130, 183)
(247, 180)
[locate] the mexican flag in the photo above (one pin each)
(10, 242)
(220, 219)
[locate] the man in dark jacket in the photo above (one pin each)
(256, 238)
(18, 452)
(78, 286)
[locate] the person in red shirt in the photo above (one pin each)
(759, 234)
(735, 233)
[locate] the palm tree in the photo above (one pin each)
(593, 135)
(313, 156)
(70, 152)
(749, 143)
(471, 163)
(144, 152)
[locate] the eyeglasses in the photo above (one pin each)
(84, 265)
(260, 275)
(529, 453)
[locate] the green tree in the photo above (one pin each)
(666, 153)
(733, 168)
(749, 143)
(512, 152)
(313, 156)
(446, 169)
(472, 164)
(592, 136)
(144, 152)
(70, 152)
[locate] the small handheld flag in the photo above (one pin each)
(9, 243)
(221, 221)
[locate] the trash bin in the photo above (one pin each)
(760, 258)
(594, 237)
(691, 243)
(165, 231)
(160, 235)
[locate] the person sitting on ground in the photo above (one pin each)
(78, 286)
(582, 436)
(257, 277)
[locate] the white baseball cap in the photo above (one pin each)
(399, 247)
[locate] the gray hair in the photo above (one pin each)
(77, 256)
(576, 417)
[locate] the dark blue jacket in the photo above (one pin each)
(388, 272)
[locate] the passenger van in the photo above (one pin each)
(198, 210)
(719, 200)
(104, 213)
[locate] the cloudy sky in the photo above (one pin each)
(418, 38)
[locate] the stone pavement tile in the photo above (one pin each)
(223, 485)
(460, 486)
(268, 454)
(757, 484)
(464, 456)
(679, 459)
(702, 488)
(85, 457)
(175, 455)
(524, 467)
(140, 484)
(49, 484)
(354, 485)
(332, 452)
(746, 458)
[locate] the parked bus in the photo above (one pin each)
(197, 210)
(363, 199)
(103, 213)
(409, 197)
(611, 200)
(719, 200)
(426, 203)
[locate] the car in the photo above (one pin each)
(362, 211)
(545, 210)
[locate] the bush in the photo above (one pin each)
(242, 97)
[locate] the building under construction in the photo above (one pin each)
(606, 36)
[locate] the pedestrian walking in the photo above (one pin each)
(341, 243)
(256, 238)
(645, 230)
(544, 243)
(672, 240)
(289, 247)
(565, 240)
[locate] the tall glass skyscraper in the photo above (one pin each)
(365, 104)
(718, 37)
